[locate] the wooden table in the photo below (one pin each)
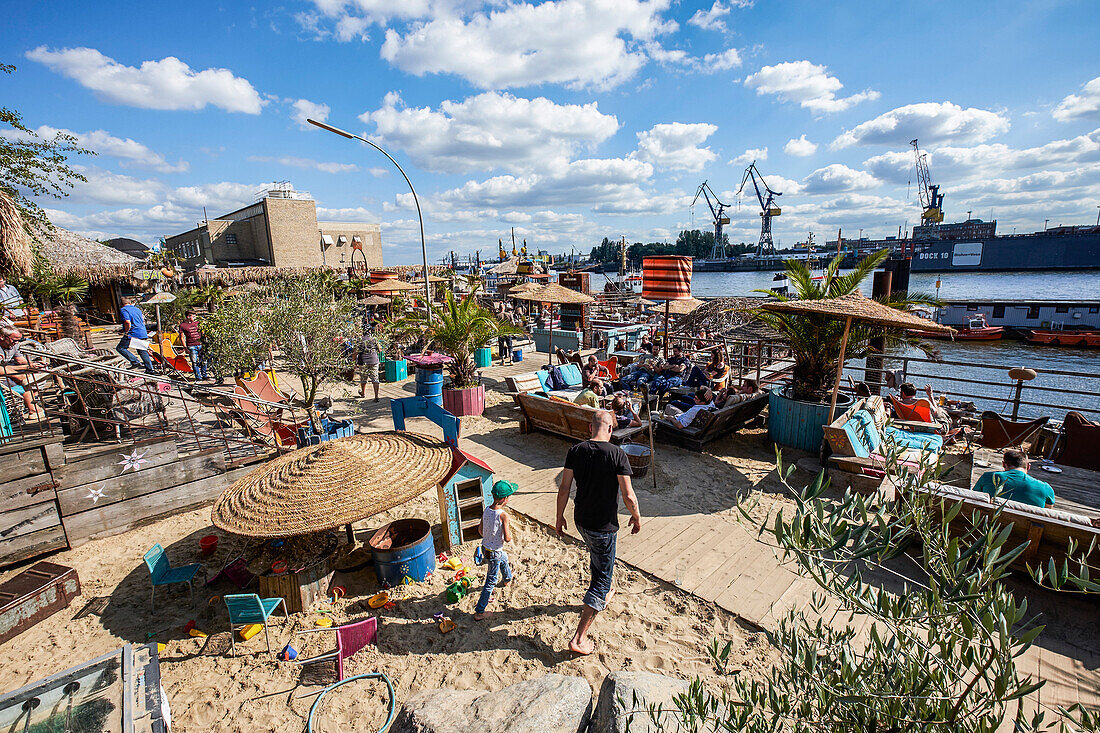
(627, 357)
(1076, 490)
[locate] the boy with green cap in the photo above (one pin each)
(495, 531)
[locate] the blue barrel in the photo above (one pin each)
(517, 354)
(799, 424)
(403, 549)
(429, 383)
(483, 357)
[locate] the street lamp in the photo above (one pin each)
(423, 245)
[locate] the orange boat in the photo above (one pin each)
(1064, 338)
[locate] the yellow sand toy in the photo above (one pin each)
(249, 631)
(378, 600)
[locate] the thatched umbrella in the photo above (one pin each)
(556, 295)
(431, 279)
(331, 484)
(389, 286)
(855, 307)
(683, 307)
(642, 302)
(68, 253)
(375, 300)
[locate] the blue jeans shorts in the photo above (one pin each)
(601, 563)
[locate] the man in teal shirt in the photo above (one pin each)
(1014, 483)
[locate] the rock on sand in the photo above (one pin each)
(651, 689)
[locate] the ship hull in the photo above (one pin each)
(1026, 252)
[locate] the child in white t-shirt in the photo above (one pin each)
(495, 531)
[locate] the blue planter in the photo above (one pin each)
(799, 424)
(483, 357)
(403, 549)
(395, 370)
(330, 430)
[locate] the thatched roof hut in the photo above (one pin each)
(16, 254)
(68, 253)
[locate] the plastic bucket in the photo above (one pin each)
(517, 354)
(640, 456)
(429, 383)
(401, 549)
(483, 357)
(208, 544)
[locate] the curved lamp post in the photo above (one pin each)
(423, 245)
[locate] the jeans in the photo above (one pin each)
(504, 346)
(601, 563)
(683, 404)
(664, 384)
(697, 378)
(631, 380)
(496, 562)
(123, 348)
(197, 362)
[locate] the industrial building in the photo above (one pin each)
(279, 230)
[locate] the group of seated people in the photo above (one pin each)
(681, 412)
(662, 376)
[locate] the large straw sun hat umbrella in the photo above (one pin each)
(555, 295)
(390, 286)
(375, 300)
(683, 307)
(331, 484)
(855, 307)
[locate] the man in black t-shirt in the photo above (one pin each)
(602, 472)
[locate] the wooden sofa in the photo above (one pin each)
(563, 418)
(540, 382)
(710, 425)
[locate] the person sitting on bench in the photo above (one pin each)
(704, 400)
(625, 414)
(1014, 483)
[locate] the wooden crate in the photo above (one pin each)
(34, 595)
(299, 589)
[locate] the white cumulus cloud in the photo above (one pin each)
(575, 42)
(101, 142)
(837, 178)
(930, 122)
(168, 84)
(676, 145)
(491, 130)
(750, 155)
(1085, 105)
(721, 61)
(712, 19)
(309, 163)
(806, 83)
(800, 147)
(305, 110)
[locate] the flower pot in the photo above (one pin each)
(330, 430)
(395, 370)
(466, 401)
(797, 424)
(483, 357)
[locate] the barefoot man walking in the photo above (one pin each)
(602, 472)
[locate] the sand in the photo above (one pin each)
(649, 626)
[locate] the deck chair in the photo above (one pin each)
(261, 388)
(246, 609)
(350, 638)
(161, 572)
(612, 366)
(1082, 442)
(921, 411)
(999, 432)
(269, 428)
(166, 355)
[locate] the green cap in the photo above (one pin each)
(502, 489)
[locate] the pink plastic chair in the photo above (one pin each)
(350, 638)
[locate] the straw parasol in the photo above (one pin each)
(389, 286)
(68, 253)
(855, 307)
(523, 288)
(683, 307)
(431, 279)
(16, 252)
(641, 302)
(375, 300)
(332, 484)
(554, 294)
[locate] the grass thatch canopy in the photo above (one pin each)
(16, 254)
(227, 276)
(68, 253)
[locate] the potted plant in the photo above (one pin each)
(458, 328)
(797, 412)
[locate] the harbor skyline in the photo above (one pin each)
(512, 119)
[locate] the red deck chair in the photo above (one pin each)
(271, 429)
(611, 365)
(919, 412)
(261, 388)
(166, 355)
(350, 638)
(999, 432)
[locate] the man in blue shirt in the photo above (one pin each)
(133, 327)
(1014, 483)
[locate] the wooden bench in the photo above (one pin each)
(564, 418)
(711, 425)
(523, 383)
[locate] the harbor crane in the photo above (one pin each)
(768, 209)
(931, 200)
(717, 209)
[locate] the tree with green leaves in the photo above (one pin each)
(458, 328)
(942, 646)
(814, 340)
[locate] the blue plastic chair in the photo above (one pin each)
(161, 572)
(249, 608)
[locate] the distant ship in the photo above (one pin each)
(975, 246)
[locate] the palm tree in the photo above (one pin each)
(815, 340)
(458, 327)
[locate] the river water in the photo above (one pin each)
(994, 390)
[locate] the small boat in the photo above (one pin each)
(977, 329)
(1064, 338)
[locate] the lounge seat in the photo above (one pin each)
(1082, 442)
(564, 418)
(860, 441)
(710, 425)
(572, 375)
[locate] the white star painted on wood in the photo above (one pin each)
(96, 494)
(133, 461)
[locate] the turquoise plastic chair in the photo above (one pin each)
(249, 608)
(161, 572)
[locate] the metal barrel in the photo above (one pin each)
(429, 383)
(403, 549)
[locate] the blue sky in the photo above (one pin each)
(570, 120)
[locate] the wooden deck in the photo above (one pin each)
(709, 555)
